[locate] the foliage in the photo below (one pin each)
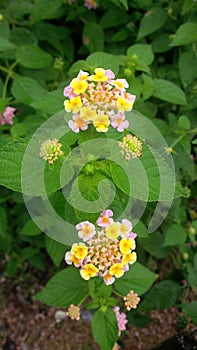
(151, 44)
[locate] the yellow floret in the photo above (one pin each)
(117, 270)
(78, 86)
(73, 105)
(79, 250)
(101, 122)
(88, 271)
(113, 231)
(123, 105)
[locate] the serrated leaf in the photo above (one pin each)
(152, 21)
(26, 90)
(169, 92)
(185, 35)
(138, 278)
(105, 328)
(31, 56)
(64, 288)
(158, 297)
(36, 176)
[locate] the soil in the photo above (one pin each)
(26, 324)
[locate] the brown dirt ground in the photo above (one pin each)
(26, 324)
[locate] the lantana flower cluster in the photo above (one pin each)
(98, 99)
(106, 251)
(6, 117)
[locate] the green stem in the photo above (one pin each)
(9, 75)
(118, 294)
(81, 302)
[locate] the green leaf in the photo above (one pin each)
(105, 328)
(142, 51)
(3, 222)
(192, 276)
(141, 230)
(10, 166)
(113, 18)
(37, 177)
(158, 297)
(22, 37)
(77, 66)
(185, 35)
(187, 67)
(44, 9)
(169, 92)
(152, 21)
(4, 29)
(104, 60)
(18, 130)
(30, 229)
(90, 193)
(31, 56)
(183, 123)
(51, 103)
(5, 45)
(26, 90)
(98, 289)
(191, 310)
(138, 278)
(64, 288)
(161, 43)
(93, 37)
(147, 178)
(175, 235)
(154, 245)
(55, 250)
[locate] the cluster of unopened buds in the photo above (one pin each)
(89, 4)
(131, 147)
(106, 250)
(50, 150)
(98, 99)
(6, 117)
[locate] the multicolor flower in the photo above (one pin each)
(131, 300)
(86, 230)
(98, 99)
(6, 117)
(121, 319)
(106, 252)
(105, 219)
(50, 150)
(130, 146)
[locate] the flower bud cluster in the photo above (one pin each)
(50, 150)
(6, 117)
(130, 146)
